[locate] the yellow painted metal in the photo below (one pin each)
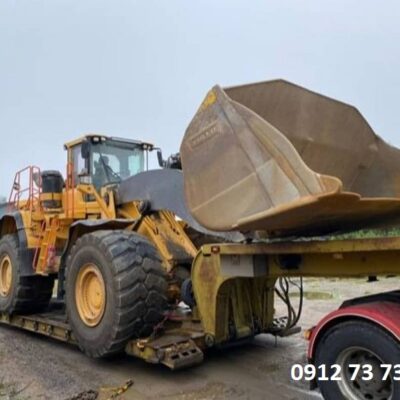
(220, 298)
(32, 222)
(50, 196)
(234, 283)
(90, 294)
(44, 264)
(317, 246)
(163, 230)
(166, 232)
(5, 275)
(316, 258)
(81, 139)
(56, 329)
(106, 211)
(175, 350)
(84, 202)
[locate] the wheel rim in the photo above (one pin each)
(374, 389)
(5, 276)
(90, 295)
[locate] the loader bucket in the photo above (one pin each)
(276, 157)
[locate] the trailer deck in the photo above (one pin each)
(176, 347)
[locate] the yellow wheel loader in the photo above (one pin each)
(165, 263)
(117, 263)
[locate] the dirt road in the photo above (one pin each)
(43, 369)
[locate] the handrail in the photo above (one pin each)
(33, 189)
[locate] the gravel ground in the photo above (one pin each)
(32, 367)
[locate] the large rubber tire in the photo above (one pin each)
(135, 288)
(27, 294)
(347, 336)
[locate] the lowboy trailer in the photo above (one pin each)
(363, 329)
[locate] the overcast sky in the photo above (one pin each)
(139, 69)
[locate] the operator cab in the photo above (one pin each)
(103, 160)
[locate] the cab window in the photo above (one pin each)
(113, 161)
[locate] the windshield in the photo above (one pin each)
(114, 161)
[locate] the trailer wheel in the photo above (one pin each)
(115, 290)
(354, 343)
(20, 294)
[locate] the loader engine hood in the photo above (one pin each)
(276, 157)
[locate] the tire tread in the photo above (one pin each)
(137, 274)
